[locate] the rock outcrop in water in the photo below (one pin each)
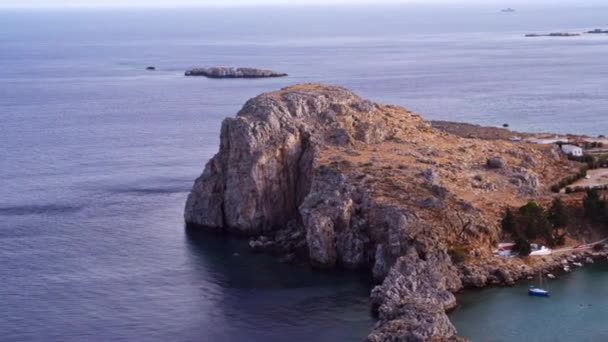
(322, 175)
(225, 72)
(554, 34)
(598, 31)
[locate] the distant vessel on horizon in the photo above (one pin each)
(507, 10)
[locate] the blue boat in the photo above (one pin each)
(538, 291)
(534, 291)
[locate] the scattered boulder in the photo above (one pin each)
(430, 175)
(496, 163)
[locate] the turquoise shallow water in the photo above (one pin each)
(576, 311)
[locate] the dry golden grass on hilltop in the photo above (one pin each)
(393, 170)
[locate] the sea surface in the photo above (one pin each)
(576, 311)
(97, 156)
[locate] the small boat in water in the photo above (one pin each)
(534, 291)
(538, 291)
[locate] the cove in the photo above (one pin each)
(576, 311)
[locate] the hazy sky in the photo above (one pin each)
(227, 3)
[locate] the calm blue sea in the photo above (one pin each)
(97, 155)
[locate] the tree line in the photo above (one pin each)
(532, 222)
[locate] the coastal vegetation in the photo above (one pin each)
(570, 179)
(596, 207)
(532, 222)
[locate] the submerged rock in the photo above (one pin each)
(225, 72)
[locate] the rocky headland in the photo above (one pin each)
(225, 72)
(318, 175)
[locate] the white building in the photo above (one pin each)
(572, 150)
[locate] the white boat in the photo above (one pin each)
(577, 264)
(505, 249)
(542, 251)
(533, 291)
(503, 253)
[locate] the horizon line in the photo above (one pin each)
(379, 3)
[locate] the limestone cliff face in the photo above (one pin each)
(339, 181)
(266, 161)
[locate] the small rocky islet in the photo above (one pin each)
(565, 34)
(228, 72)
(317, 175)
(597, 31)
(554, 34)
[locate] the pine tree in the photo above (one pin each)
(595, 207)
(508, 223)
(522, 246)
(534, 223)
(558, 214)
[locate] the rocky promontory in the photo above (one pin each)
(225, 72)
(316, 174)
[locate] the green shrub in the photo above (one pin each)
(459, 254)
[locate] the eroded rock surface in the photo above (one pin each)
(329, 178)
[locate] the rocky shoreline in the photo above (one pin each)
(225, 72)
(318, 175)
(499, 272)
